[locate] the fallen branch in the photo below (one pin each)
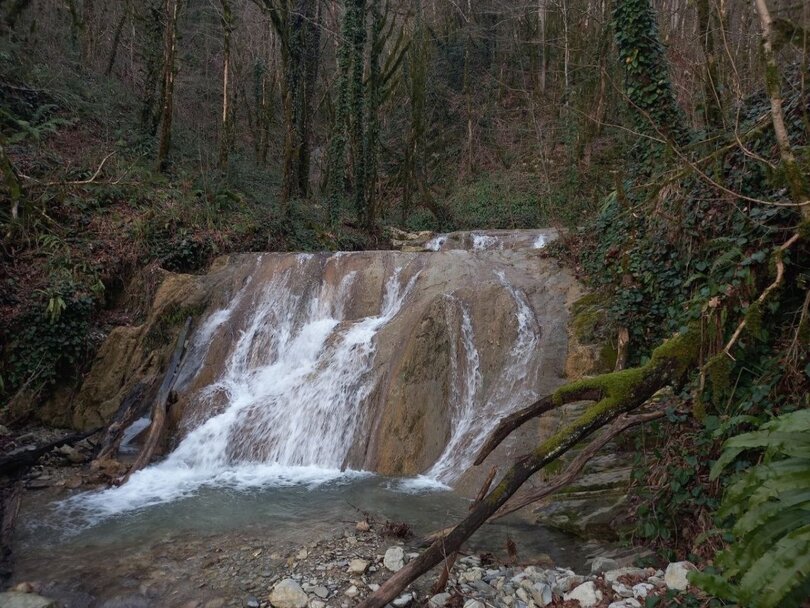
(619, 392)
(575, 467)
(161, 404)
(514, 421)
(27, 456)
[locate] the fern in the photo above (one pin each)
(768, 565)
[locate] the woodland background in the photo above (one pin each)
(136, 134)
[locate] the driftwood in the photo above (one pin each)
(17, 461)
(9, 506)
(441, 582)
(618, 393)
(12, 466)
(159, 409)
(131, 407)
(575, 467)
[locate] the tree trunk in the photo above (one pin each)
(161, 404)
(172, 8)
(225, 125)
(793, 173)
(619, 392)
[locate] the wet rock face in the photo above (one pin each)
(396, 352)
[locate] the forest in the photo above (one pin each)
(666, 142)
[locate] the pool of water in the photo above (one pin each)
(67, 548)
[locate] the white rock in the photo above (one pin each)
(317, 604)
(622, 590)
(394, 559)
(302, 554)
(565, 583)
(603, 564)
(586, 594)
(541, 594)
(675, 576)
(402, 600)
(612, 576)
(351, 591)
(373, 586)
(474, 604)
(438, 600)
(358, 566)
(321, 591)
(626, 603)
(288, 594)
(642, 590)
(522, 594)
(14, 599)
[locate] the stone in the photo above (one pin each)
(252, 602)
(317, 604)
(302, 554)
(642, 590)
(403, 600)
(622, 590)
(23, 588)
(613, 576)
(541, 594)
(373, 587)
(626, 603)
(603, 564)
(565, 583)
(394, 559)
(215, 603)
(288, 594)
(351, 591)
(362, 526)
(474, 604)
(321, 591)
(358, 566)
(675, 575)
(14, 599)
(438, 600)
(586, 594)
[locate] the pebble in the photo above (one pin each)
(394, 559)
(675, 576)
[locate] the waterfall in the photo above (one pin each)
(290, 379)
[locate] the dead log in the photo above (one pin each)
(441, 582)
(9, 507)
(575, 467)
(130, 409)
(619, 392)
(514, 421)
(16, 461)
(159, 409)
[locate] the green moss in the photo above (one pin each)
(682, 349)
(163, 331)
(718, 369)
(607, 357)
(753, 319)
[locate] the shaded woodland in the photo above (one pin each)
(668, 139)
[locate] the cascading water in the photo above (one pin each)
(294, 387)
(292, 379)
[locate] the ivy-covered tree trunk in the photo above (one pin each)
(336, 162)
(646, 75)
(357, 113)
(172, 9)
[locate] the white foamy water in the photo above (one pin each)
(294, 390)
(474, 413)
(482, 242)
(540, 242)
(436, 243)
